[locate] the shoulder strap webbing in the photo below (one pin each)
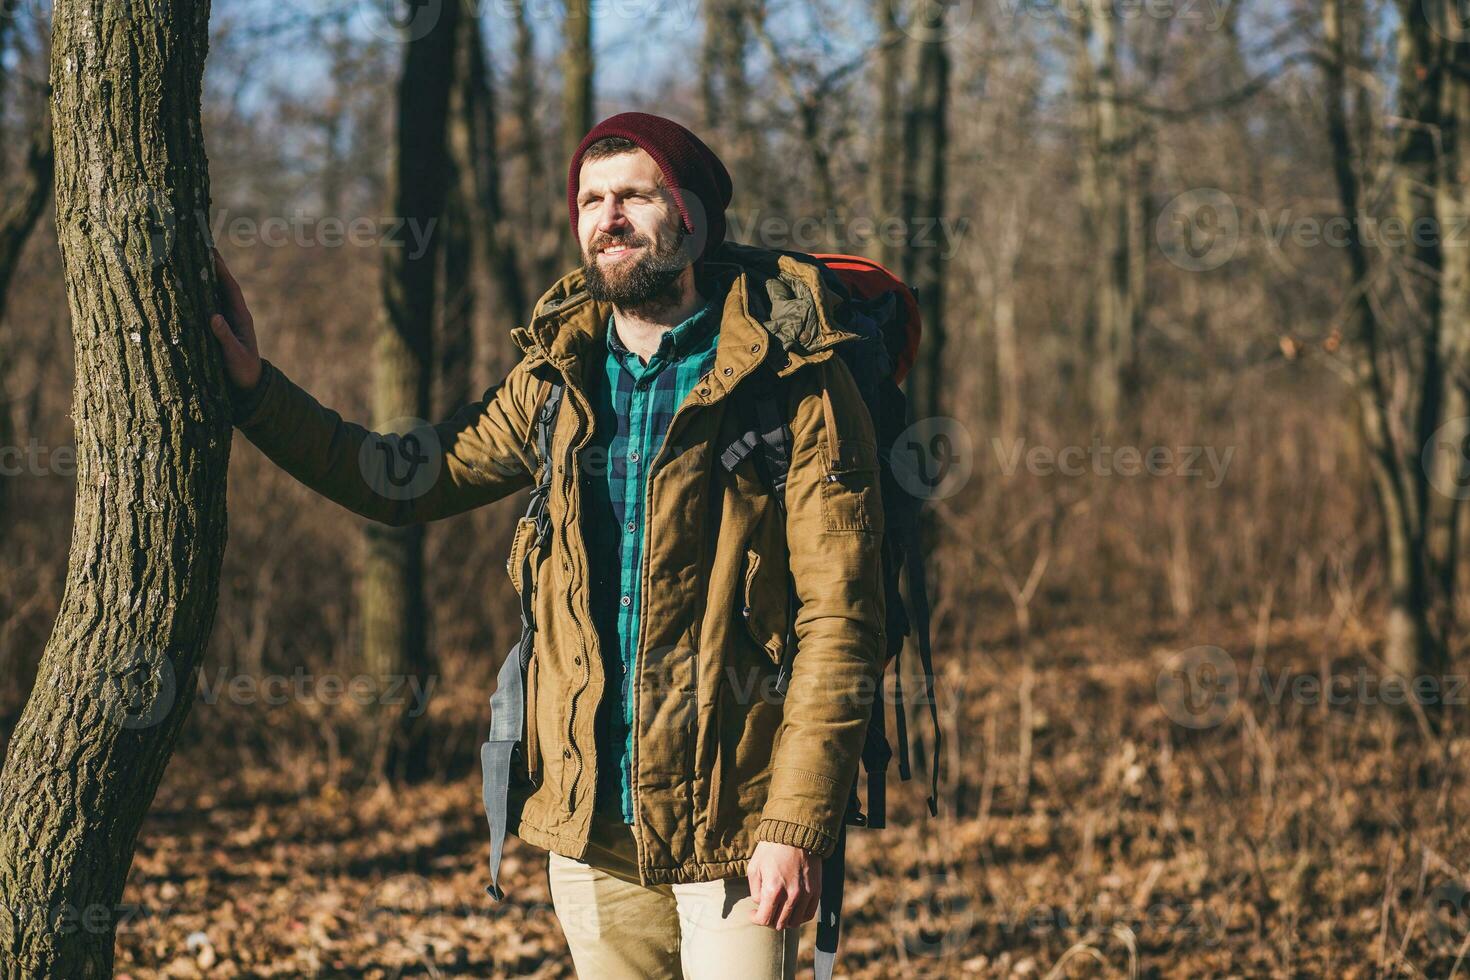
(508, 703)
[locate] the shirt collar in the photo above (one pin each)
(677, 341)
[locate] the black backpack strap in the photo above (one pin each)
(829, 907)
(768, 437)
(919, 598)
(508, 703)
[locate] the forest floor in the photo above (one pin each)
(1096, 823)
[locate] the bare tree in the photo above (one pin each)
(1446, 341)
(395, 616)
(541, 219)
(888, 133)
(726, 95)
(926, 124)
(23, 196)
(1415, 432)
(153, 438)
(499, 300)
(1113, 311)
(577, 117)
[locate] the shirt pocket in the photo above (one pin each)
(850, 495)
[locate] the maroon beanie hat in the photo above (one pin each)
(696, 177)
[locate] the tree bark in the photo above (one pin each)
(395, 617)
(117, 677)
(926, 123)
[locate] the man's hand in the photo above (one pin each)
(235, 330)
(785, 882)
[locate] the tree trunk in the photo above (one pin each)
(542, 222)
(116, 680)
(1407, 637)
(26, 200)
(1447, 347)
(925, 136)
(577, 118)
(1112, 322)
(395, 620)
(888, 145)
(454, 347)
(1008, 243)
(726, 98)
(500, 296)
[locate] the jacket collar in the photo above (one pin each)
(778, 305)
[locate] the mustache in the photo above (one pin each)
(630, 239)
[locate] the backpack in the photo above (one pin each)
(884, 312)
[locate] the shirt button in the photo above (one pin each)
(704, 391)
(633, 456)
(632, 526)
(627, 600)
(729, 371)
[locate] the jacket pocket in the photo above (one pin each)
(850, 500)
(520, 544)
(766, 605)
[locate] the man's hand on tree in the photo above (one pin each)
(235, 330)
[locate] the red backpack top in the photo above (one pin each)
(869, 279)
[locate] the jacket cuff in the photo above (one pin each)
(807, 838)
(245, 405)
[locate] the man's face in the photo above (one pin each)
(630, 231)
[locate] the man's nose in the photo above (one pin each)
(613, 218)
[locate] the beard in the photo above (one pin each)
(649, 282)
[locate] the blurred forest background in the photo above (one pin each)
(1196, 277)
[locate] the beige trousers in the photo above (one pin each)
(618, 929)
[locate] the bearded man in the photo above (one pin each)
(685, 800)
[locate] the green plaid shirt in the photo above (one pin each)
(633, 404)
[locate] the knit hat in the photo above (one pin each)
(694, 175)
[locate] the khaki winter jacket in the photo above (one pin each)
(719, 760)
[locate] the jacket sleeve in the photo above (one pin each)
(478, 455)
(834, 527)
